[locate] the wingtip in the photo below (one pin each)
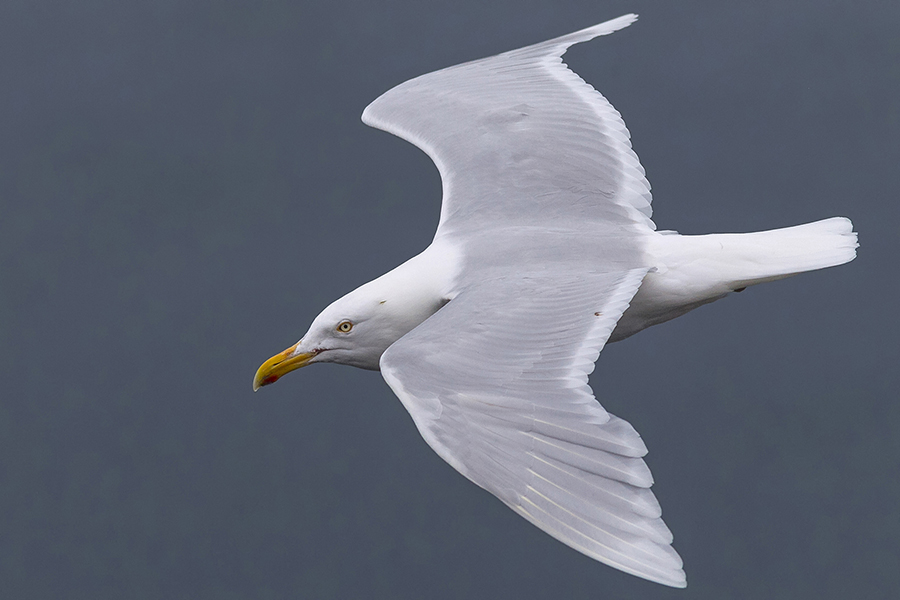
(616, 24)
(630, 17)
(589, 33)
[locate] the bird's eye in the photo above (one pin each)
(344, 326)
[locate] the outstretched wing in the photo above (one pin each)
(518, 134)
(497, 384)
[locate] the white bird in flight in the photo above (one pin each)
(544, 252)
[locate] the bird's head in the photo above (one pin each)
(354, 330)
(350, 331)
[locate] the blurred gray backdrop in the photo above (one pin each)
(184, 185)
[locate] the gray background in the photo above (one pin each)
(184, 185)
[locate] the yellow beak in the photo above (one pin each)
(280, 364)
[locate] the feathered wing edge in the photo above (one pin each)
(557, 46)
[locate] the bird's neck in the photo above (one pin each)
(419, 287)
(411, 293)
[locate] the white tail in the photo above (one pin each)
(744, 259)
(693, 270)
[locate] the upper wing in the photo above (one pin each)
(496, 382)
(519, 135)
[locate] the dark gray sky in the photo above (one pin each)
(184, 185)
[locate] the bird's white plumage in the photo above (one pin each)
(544, 241)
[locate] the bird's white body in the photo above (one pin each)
(687, 271)
(545, 251)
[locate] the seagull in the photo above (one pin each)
(545, 251)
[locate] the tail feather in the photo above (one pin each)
(769, 255)
(693, 270)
